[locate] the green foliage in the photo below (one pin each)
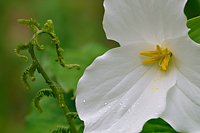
(24, 78)
(192, 9)
(81, 129)
(21, 47)
(157, 126)
(55, 91)
(194, 25)
(33, 24)
(29, 72)
(60, 130)
(48, 29)
(83, 56)
(39, 96)
(51, 117)
(32, 69)
(72, 114)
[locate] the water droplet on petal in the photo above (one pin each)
(105, 103)
(83, 101)
(120, 104)
(156, 113)
(124, 106)
(109, 106)
(126, 99)
(129, 110)
(114, 111)
(159, 106)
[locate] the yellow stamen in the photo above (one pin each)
(152, 60)
(161, 55)
(158, 48)
(165, 62)
(150, 53)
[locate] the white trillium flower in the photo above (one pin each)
(154, 73)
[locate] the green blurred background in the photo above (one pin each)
(77, 23)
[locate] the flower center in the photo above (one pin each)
(161, 55)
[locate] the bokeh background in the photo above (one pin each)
(77, 24)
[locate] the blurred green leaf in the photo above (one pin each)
(68, 79)
(157, 126)
(51, 117)
(80, 130)
(192, 8)
(194, 25)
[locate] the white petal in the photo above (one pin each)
(186, 53)
(188, 82)
(185, 50)
(128, 21)
(181, 113)
(183, 102)
(118, 93)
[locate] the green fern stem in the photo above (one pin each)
(55, 88)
